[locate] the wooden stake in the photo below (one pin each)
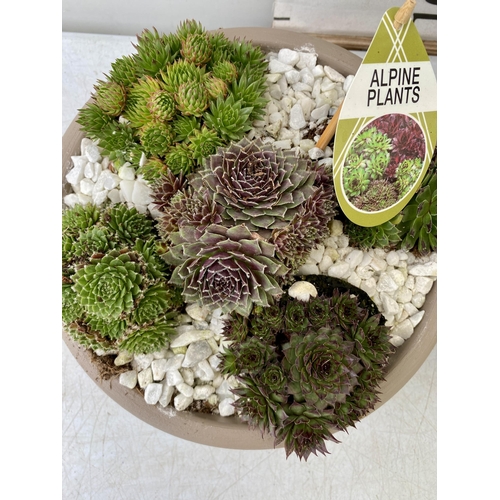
(403, 14)
(329, 131)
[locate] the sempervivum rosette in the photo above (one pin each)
(225, 267)
(317, 370)
(116, 295)
(258, 185)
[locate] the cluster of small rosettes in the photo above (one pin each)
(414, 228)
(177, 99)
(115, 290)
(308, 368)
(243, 223)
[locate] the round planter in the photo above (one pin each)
(231, 432)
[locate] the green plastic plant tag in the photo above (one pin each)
(387, 128)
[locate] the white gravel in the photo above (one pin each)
(302, 95)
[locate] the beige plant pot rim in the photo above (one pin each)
(232, 432)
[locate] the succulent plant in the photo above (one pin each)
(180, 158)
(225, 267)
(196, 48)
(109, 285)
(110, 97)
(155, 51)
(156, 138)
(127, 223)
(321, 369)
(188, 208)
(247, 356)
(418, 226)
(161, 105)
(116, 294)
(203, 143)
(192, 98)
(258, 185)
(229, 118)
(386, 235)
(124, 70)
(152, 169)
(189, 89)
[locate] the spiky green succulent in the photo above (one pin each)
(110, 97)
(116, 294)
(127, 223)
(190, 79)
(324, 365)
(225, 70)
(180, 158)
(203, 143)
(418, 226)
(156, 138)
(192, 98)
(196, 48)
(161, 105)
(155, 51)
(229, 117)
(225, 267)
(384, 235)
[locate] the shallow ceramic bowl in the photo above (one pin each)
(231, 432)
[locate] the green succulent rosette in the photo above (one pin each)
(108, 286)
(116, 295)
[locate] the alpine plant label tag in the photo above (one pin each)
(387, 128)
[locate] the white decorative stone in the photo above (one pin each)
(389, 305)
(141, 194)
(128, 379)
(145, 377)
(297, 120)
(396, 340)
(187, 375)
(143, 361)
(173, 377)
(403, 330)
(202, 392)
(92, 153)
(152, 393)
(307, 60)
(190, 336)
(181, 402)
(204, 365)
(198, 313)
(226, 407)
(196, 352)
(428, 269)
(339, 270)
(123, 358)
(423, 285)
(416, 318)
(159, 369)
(166, 395)
(303, 291)
(307, 269)
(185, 389)
(276, 66)
(175, 362)
(126, 173)
(288, 56)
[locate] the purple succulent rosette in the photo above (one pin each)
(258, 185)
(229, 268)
